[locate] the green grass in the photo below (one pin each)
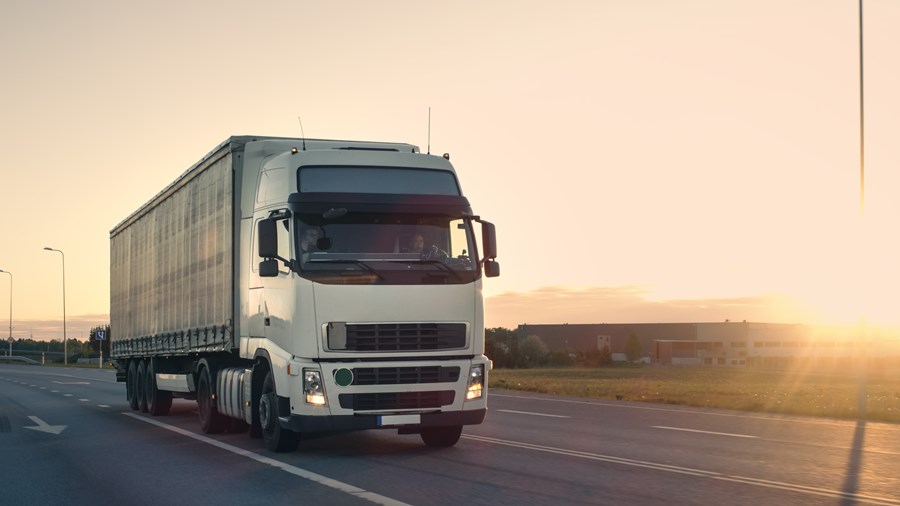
(799, 392)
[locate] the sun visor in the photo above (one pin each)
(451, 205)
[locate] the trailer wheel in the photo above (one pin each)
(158, 401)
(441, 437)
(277, 438)
(141, 386)
(211, 422)
(131, 385)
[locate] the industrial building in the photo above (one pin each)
(721, 343)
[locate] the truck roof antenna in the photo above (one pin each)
(301, 132)
(429, 130)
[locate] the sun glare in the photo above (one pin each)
(858, 280)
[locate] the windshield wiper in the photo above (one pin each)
(442, 265)
(360, 263)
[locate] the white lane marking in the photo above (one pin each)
(792, 487)
(530, 413)
(704, 432)
(594, 456)
(303, 473)
(68, 395)
(84, 400)
(72, 382)
(54, 391)
(43, 373)
(102, 406)
(43, 388)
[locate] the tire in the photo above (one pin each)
(441, 437)
(158, 402)
(276, 437)
(141, 385)
(255, 431)
(211, 421)
(131, 385)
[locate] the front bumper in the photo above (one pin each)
(300, 423)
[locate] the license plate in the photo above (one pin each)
(399, 420)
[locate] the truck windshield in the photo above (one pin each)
(393, 249)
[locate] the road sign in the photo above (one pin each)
(100, 335)
(10, 339)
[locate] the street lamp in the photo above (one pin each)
(65, 341)
(10, 310)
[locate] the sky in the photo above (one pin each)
(643, 160)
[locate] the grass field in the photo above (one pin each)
(801, 392)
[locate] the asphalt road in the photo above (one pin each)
(67, 436)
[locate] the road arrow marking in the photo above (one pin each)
(42, 426)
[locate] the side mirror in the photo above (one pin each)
(268, 268)
(267, 239)
(491, 268)
(489, 240)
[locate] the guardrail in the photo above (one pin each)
(14, 358)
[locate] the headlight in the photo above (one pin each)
(313, 388)
(475, 385)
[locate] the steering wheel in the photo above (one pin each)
(435, 253)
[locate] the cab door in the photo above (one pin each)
(276, 295)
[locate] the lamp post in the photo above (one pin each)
(10, 310)
(65, 341)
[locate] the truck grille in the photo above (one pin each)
(396, 400)
(404, 375)
(405, 336)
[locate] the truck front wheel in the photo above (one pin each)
(277, 438)
(441, 437)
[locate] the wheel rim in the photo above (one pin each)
(266, 417)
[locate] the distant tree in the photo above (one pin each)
(533, 352)
(598, 358)
(560, 358)
(633, 349)
(496, 346)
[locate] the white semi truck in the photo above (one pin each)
(301, 285)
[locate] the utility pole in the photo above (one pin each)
(65, 340)
(10, 310)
